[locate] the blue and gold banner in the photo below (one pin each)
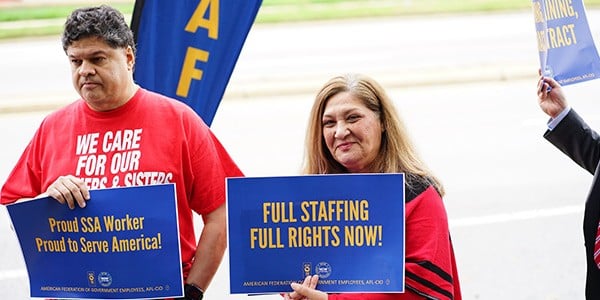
(123, 245)
(187, 49)
(348, 229)
(566, 48)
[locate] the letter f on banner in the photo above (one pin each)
(189, 70)
(188, 49)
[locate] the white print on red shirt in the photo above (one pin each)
(114, 156)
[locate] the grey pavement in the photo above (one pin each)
(297, 58)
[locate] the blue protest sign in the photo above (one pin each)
(124, 244)
(188, 49)
(566, 48)
(346, 228)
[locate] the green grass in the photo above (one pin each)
(30, 32)
(302, 10)
(20, 13)
(279, 11)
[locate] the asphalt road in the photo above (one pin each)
(515, 203)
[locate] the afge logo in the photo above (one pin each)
(306, 268)
(323, 269)
(91, 278)
(104, 279)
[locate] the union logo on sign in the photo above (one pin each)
(323, 269)
(105, 279)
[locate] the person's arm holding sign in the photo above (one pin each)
(569, 133)
(67, 189)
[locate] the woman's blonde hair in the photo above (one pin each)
(397, 153)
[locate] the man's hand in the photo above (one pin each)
(69, 189)
(551, 99)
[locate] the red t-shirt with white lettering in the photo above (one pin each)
(150, 140)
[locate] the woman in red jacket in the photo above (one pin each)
(354, 128)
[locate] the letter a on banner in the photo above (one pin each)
(565, 44)
(187, 49)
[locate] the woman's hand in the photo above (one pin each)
(306, 291)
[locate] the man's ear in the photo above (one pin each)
(130, 58)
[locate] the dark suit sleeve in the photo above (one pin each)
(577, 140)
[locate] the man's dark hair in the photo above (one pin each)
(103, 22)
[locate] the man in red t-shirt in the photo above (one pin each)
(119, 134)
